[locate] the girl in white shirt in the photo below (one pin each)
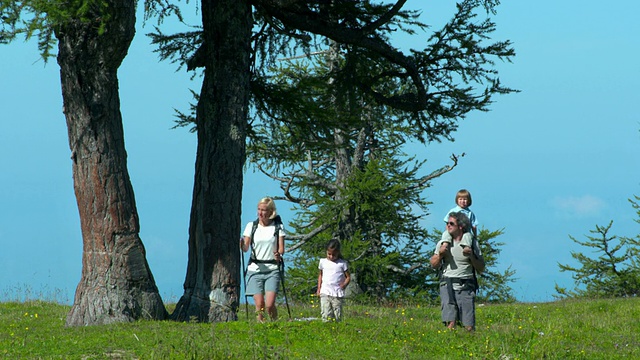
(332, 280)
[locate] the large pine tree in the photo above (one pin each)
(93, 39)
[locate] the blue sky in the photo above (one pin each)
(549, 162)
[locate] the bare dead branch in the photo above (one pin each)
(306, 237)
(439, 172)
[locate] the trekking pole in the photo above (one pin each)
(284, 291)
(244, 277)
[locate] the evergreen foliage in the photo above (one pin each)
(494, 285)
(40, 18)
(615, 272)
(385, 252)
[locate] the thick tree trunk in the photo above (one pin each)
(211, 287)
(116, 283)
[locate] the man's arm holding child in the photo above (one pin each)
(473, 253)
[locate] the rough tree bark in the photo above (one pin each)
(116, 284)
(211, 287)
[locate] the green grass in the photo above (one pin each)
(584, 329)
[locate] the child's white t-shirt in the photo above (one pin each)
(332, 276)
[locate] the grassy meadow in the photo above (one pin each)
(569, 329)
